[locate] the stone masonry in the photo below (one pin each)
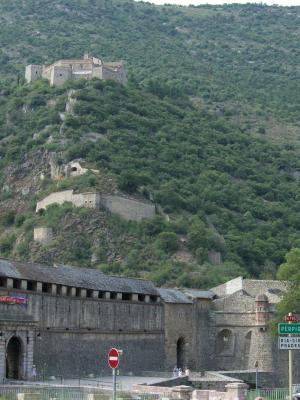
(127, 208)
(87, 68)
(64, 319)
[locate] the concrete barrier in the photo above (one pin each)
(29, 396)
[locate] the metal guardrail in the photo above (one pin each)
(65, 393)
(272, 393)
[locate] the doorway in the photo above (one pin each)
(181, 356)
(13, 358)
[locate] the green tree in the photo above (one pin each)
(290, 271)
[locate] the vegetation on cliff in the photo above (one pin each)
(224, 192)
(208, 127)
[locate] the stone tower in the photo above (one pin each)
(262, 345)
(33, 72)
(261, 309)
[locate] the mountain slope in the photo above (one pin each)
(207, 128)
(242, 61)
(224, 192)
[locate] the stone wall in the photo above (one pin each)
(186, 331)
(128, 209)
(42, 235)
(59, 75)
(79, 200)
(33, 72)
(82, 354)
(74, 334)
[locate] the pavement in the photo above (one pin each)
(124, 383)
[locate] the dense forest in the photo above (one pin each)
(207, 128)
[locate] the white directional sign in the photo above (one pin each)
(289, 343)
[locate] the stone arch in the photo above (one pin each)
(14, 358)
(181, 353)
(225, 342)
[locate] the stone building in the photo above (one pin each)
(64, 319)
(125, 207)
(87, 68)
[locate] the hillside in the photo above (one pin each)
(206, 129)
(241, 61)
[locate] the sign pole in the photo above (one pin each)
(290, 367)
(114, 383)
(113, 362)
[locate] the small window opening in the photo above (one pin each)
(100, 295)
(74, 169)
(141, 297)
(89, 293)
(3, 282)
(126, 296)
(113, 295)
(153, 299)
(46, 287)
(78, 292)
(60, 74)
(59, 289)
(31, 285)
(16, 283)
(69, 291)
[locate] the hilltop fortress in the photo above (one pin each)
(87, 68)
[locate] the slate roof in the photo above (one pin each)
(199, 294)
(173, 296)
(73, 276)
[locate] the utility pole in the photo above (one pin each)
(290, 364)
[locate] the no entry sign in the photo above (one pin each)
(113, 358)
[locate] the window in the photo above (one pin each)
(126, 296)
(16, 283)
(153, 299)
(58, 289)
(31, 285)
(46, 287)
(141, 297)
(3, 282)
(225, 342)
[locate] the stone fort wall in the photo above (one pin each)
(129, 209)
(74, 334)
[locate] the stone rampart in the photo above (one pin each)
(73, 334)
(128, 209)
(88, 199)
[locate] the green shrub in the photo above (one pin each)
(167, 241)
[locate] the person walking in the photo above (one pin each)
(33, 373)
